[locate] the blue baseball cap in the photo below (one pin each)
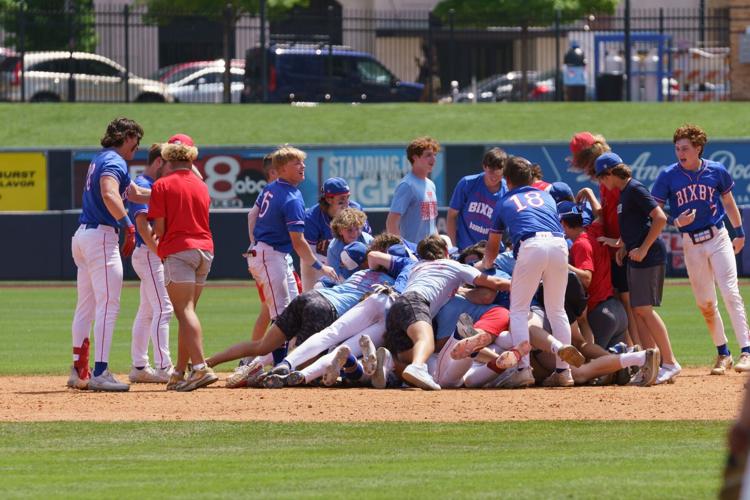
(398, 250)
(606, 162)
(572, 210)
(334, 186)
(560, 191)
(353, 255)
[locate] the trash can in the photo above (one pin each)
(574, 73)
(609, 87)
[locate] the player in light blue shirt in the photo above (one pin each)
(474, 199)
(414, 208)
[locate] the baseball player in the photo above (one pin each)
(96, 253)
(414, 207)
(699, 193)
(530, 217)
(155, 308)
(318, 234)
(347, 227)
(278, 229)
(641, 220)
(475, 196)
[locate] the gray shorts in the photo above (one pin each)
(188, 266)
(646, 285)
(608, 321)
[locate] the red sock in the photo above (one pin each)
(82, 363)
(493, 366)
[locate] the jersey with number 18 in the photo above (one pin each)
(282, 210)
(525, 210)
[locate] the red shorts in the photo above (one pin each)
(494, 321)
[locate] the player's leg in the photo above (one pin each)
(142, 322)
(555, 278)
(725, 269)
(523, 285)
(83, 317)
(163, 310)
(608, 321)
(450, 372)
(271, 271)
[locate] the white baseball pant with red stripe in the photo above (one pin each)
(270, 269)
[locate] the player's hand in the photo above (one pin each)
(330, 273)
(685, 218)
(738, 243)
(620, 256)
(637, 254)
(128, 242)
(584, 194)
(610, 242)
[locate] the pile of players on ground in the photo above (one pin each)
(383, 311)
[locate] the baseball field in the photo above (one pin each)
(586, 442)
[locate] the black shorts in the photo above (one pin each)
(576, 297)
(620, 277)
(305, 316)
(405, 311)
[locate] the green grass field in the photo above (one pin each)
(265, 460)
(43, 125)
(41, 317)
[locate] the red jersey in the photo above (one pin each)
(610, 200)
(590, 255)
(182, 199)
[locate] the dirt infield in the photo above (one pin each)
(695, 396)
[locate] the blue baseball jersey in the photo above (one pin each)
(318, 223)
(475, 204)
(502, 298)
(344, 296)
(106, 163)
(139, 208)
(282, 210)
(415, 200)
(444, 323)
(334, 254)
(525, 210)
(701, 190)
(437, 281)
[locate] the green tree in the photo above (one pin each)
(49, 24)
(227, 11)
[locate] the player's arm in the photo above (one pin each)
(307, 257)
(478, 295)
(111, 196)
(144, 229)
(733, 213)
(587, 194)
(392, 223)
(658, 222)
(136, 193)
(583, 274)
(492, 282)
(450, 224)
(491, 251)
(376, 260)
(252, 218)
(160, 227)
(685, 218)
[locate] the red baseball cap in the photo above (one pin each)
(183, 139)
(581, 141)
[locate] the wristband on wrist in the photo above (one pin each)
(739, 232)
(125, 221)
(671, 221)
(316, 265)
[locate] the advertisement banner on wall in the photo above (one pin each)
(235, 176)
(23, 181)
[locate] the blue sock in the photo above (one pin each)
(746, 349)
(355, 375)
(456, 335)
(350, 362)
(560, 370)
(286, 363)
(99, 368)
(279, 355)
(723, 350)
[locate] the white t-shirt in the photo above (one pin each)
(438, 280)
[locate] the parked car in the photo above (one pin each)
(301, 72)
(207, 85)
(95, 78)
(176, 72)
(498, 88)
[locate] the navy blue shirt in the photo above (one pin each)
(636, 203)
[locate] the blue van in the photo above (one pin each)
(313, 73)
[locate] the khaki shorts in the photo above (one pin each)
(188, 266)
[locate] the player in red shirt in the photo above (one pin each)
(585, 148)
(589, 259)
(180, 214)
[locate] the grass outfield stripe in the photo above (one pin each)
(65, 124)
(262, 460)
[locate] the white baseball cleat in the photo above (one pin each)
(510, 358)
(667, 373)
(334, 369)
(516, 379)
(106, 382)
(369, 356)
(743, 364)
(75, 381)
(148, 375)
(245, 375)
(379, 379)
(418, 376)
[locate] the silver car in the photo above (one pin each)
(94, 77)
(207, 85)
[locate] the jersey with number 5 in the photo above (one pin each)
(282, 210)
(525, 210)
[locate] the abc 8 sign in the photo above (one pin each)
(229, 184)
